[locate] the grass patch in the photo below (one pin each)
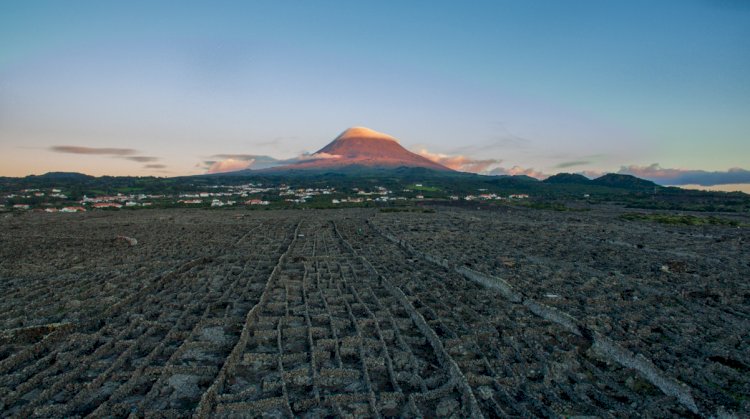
(679, 219)
(424, 188)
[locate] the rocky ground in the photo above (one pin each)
(458, 313)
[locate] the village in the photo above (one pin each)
(53, 200)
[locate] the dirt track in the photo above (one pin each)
(355, 312)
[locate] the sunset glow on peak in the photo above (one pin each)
(364, 132)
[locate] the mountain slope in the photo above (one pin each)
(615, 180)
(359, 146)
(61, 176)
(567, 178)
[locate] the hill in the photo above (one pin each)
(66, 176)
(614, 180)
(567, 178)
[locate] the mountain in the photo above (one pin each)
(361, 147)
(567, 178)
(522, 178)
(365, 153)
(61, 176)
(521, 181)
(614, 180)
(611, 180)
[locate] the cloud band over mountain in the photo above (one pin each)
(492, 166)
(667, 176)
(460, 162)
(234, 162)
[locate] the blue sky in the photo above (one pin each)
(536, 87)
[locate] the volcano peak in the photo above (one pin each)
(360, 146)
(363, 133)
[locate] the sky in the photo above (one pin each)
(658, 89)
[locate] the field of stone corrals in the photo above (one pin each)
(513, 312)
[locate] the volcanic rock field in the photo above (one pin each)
(514, 312)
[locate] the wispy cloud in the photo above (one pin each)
(518, 170)
(480, 166)
(92, 150)
(574, 163)
(314, 156)
(228, 165)
(667, 176)
(232, 162)
(242, 157)
(221, 163)
(120, 153)
(459, 162)
(141, 159)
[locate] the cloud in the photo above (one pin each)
(122, 153)
(665, 176)
(228, 165)
(729, 187)
(141, 159)
(256, 162)
(567, 164)
(232, 162)
(592, 174)
(92, 150)
(243, 157)
(314, 156)
(518, 170)
(481, 166)
(155, 166)
(459, 162)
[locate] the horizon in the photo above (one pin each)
(661, 92)
(716, 188)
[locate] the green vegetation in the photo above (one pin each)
(679, 219)
(424, 188)
(563, 192)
